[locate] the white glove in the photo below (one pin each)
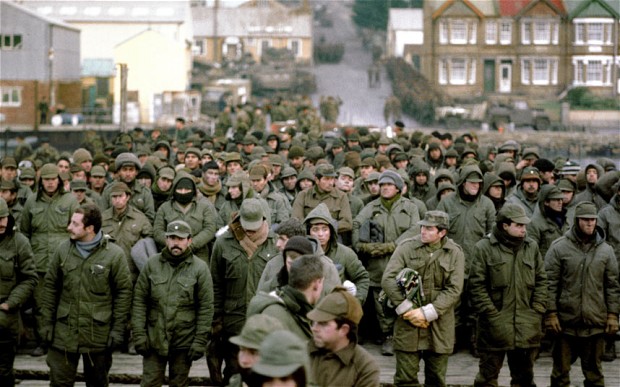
(350, 286)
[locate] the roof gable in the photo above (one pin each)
(46, 19)
(457, 8)
(593, 8)
(520, 8)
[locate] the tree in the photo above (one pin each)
(373, 14)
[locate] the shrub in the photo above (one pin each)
(328, 53)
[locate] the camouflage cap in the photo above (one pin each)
(27, 173)
(78, 185)
(514, 213)
(258, 172)
(437, 219)
(233, 156)
(179, 229)
(9, 162)
(531, 173)
(256, 328)
(98, 171)
(346, 171)
(49, 171)
(119, 187)
(288, 171)
(325, 170)
(251, 214)
(566, 185)
(586, 210)
(338, 304)
(8, 185)
(281, 354)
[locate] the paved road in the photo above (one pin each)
(349, 79)
(462, 369)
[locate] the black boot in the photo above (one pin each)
(610, 349)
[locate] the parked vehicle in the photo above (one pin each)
(497, 115)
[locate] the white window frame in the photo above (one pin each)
(462, 37)
(542, 32)
(595, 72)
(472, 72)
(11, 45)
(444, 32)
(590, 32)
(526, 32)
(13, 96)
(457, 70)
(582, 75)
(505, 32)
(442, 72)
(289, 44)
(583, 34)
(490, 32)
(473, 32)
(526, 75)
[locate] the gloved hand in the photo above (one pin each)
(612, 324)
(114, 341)
(47, 334)
(216, 328)
(142, 347)
(552, 323)
(196, 352)
(416, 318)
(381, 249)
(350, 286)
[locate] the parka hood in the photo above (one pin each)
(466, 171)
(322, 212)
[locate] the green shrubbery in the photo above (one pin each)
(582, 98)
(417, 95)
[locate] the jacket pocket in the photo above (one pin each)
(99, 278)
(102, 324)
(7, 275)
(186, 290)
(497, 273)
(159, 289)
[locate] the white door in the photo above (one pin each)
(505, 77)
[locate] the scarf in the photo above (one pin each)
(176, 260)
(85, 248)
(388, 203)
(250, 245)
(210, 191)
(467, 197)
(514, 243)
(558, 217)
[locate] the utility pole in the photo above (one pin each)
(123, 107)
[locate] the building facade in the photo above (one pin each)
(532, 48)
(39, 62)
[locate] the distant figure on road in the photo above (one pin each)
(392, 110)
(376, 69)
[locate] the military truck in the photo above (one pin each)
(498, 115)
(279, 73)
(225, 92)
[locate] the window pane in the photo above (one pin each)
(458, 31)
(458, 74)
(491, 32)
(579, 35)
(595, 71)
(526, 33)
(505, 33)
(541, 71)
(6, 40)
(525, 72)
(595, 32)
(17, 41)
(443, 32)
(541, 32)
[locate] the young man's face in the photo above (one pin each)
(431, 234)
(344, 183)
(289, 182)
(76, 228)
(177, 245)
(388, 190)
(128, 173)
(9, 173)
(192, 161)
(325, 183)
(327, 335)
(259, 184)
(119, 200)
(515, 229)
(321, 232)
(211, 176)
(232, 167)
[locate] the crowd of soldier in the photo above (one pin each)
(451, 244)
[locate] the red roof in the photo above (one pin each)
(513, 7)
